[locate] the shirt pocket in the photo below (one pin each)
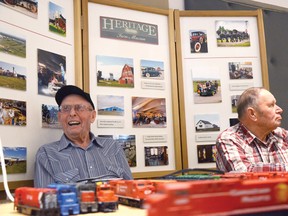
(67, 176)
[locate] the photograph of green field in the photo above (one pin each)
(12, 45)
(12, 76)
(15, 159)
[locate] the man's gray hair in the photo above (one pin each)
(248, 99)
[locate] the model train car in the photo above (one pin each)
(36, 201)
(107, 200)
(132, 192)
(231, 196)
(65, 199)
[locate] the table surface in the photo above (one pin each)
(6, 209)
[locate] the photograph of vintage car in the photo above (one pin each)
(152, 69)
(232, 33)
(207, 88)
(206, 84)
(198, 41)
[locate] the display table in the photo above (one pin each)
(6, 209)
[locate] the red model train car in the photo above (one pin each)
(36, 201)
(132, 192)
(107, 200)
(221, 197)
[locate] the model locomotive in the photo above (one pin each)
(235, 194)
(65, 199)
(132, 192)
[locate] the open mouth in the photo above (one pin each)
(72, 123)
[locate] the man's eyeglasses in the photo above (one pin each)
(77, 108)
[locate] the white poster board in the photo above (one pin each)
(33, 28)
(214, 71)
(153, 92)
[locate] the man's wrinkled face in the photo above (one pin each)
(269, 113)
(76, 116)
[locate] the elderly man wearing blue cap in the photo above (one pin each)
(78, 155)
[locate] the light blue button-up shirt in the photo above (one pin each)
(64, 162)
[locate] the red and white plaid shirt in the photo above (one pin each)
(241, 151)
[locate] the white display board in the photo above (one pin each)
(150, 138)
(33, 28)
(213, 75)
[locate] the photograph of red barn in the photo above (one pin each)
(57, 20)
(115, 71)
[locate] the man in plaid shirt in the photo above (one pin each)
(257, 143)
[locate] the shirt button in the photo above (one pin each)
(90, 167)
(66, 179)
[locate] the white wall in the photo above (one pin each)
(280, 3)
(179, 4)
(176, 4)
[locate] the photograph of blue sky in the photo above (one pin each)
(17, 152)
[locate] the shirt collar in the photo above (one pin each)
(65, 142)
(249, 137)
